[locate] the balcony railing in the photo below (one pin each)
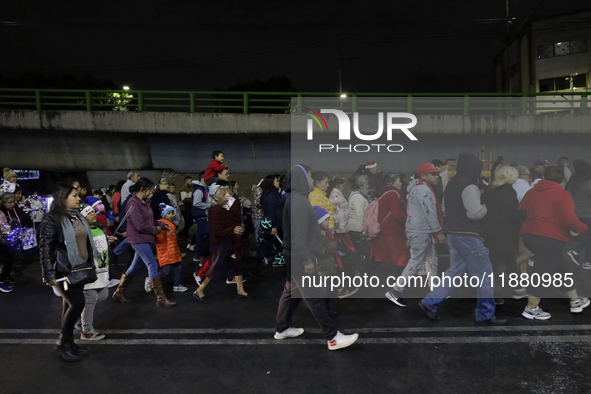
(290, 102)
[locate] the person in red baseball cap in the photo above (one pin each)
(424, 228)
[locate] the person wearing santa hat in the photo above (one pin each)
(101, 213)
(424, 228)
(373, 173)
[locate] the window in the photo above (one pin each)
(27, 174)
(563, 83)
(578, 46)
(562, 48)
(545, 51)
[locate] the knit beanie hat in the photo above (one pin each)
(7, 173)
(164, 209)
(321, 214)
(85, 209)
(92, 201)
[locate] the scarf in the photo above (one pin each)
(70, 238)
(439, 214)
(366, 194)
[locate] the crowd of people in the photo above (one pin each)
(304, 220)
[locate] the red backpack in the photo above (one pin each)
(371, 224)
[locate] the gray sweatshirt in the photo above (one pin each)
(421, 210)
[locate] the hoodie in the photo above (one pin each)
(421, 209)
(462, 198)
(301, 230)
(550, 212)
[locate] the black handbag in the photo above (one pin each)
(82, 274)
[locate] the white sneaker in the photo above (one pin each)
(147, 285)
(180, 288)
(341, 341)
(578, 305)
(197, 278)
(573, 256)
(291, 332)
(113, 283)
(183, 255)
(91, 336)
(233, 281)
(191, 247)
(535, 313)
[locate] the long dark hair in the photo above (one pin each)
(318, 176)
(119, 186)
(576, 182)
(268, 186)
(58, 206)
(384, 180)
(334, 182)
(141, 184)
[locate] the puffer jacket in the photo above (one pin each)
(357, 206)
(318, 197)
(52, 248)
(341, 215)
(167, 247)
(257, 208)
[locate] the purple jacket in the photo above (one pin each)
(141, 225)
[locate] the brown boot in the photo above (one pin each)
(161, 299)
(119, 294)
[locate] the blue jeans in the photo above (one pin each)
(122, 247)
(471, 254)
(175, 269)
(202, 238)
(143, 254)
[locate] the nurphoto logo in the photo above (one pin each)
(345, 130)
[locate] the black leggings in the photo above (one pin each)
(548, 260)
(73, 304)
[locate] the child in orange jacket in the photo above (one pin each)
(167, 249)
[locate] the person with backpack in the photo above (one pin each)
(424, 228)
(390, 244)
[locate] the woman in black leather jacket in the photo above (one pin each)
(62, 221)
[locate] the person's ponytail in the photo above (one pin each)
(142, 183)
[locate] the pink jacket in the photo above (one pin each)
(341, 214)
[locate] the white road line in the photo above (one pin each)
(267, 330)
(363, 341)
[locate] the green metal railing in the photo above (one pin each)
(281, 102)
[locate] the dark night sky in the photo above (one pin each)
(397, 46)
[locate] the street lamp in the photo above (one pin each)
(125, 87)
(343, 95)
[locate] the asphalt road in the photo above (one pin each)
(227, 346)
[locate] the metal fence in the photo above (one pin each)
(290, 102)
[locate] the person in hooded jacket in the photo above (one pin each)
(502, 224)
(390, 244)
(550, 222)
(423, 228)
(464, 212)
(579, 186)
(302, 240)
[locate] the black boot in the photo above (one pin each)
(81, 351)
(66, 349)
